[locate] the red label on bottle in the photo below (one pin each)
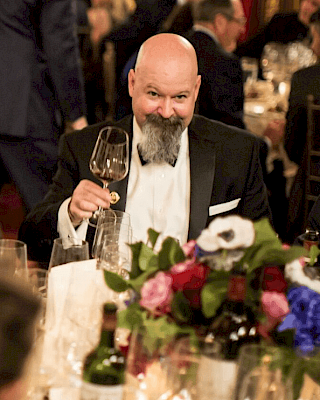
(237, 288)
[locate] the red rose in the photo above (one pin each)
(273, 280)
(188, 275)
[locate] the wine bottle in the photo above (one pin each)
(104, 367)
(310, 238)
(234, 324)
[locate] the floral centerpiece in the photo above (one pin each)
(179, 289)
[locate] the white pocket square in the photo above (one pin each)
(223, 207)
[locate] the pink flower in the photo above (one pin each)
(188, 248)
(157, 294)
(275, 306)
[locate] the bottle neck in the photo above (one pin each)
(108, 328)
(236, 288)
(107, 338)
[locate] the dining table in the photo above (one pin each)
(263, 104)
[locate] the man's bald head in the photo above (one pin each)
(165, 81)
(167, 47)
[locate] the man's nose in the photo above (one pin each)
(165, 109)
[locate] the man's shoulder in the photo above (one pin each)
(216, 131)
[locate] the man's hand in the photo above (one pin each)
(275, 131)
(86, 199)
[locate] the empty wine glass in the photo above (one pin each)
(13, 258)
(113, 218)
(67, 250)
(109, 161)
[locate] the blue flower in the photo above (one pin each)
(304, 318)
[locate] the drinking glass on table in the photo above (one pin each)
(109, 161)
(113, 218)
(13, 258)
(67, 250)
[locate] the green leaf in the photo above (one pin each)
(180, 308)
(146, 257)
(138, 282)
(115, 282)
(130, 318)
(171, 253)
(313, 254)
(160, 331)
(212, 296)
(135, 268)
(153, 237)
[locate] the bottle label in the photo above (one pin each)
(91, 391)
(237, 288)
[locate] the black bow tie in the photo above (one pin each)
(144, 162)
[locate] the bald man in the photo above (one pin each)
(184, 169)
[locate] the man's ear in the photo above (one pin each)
(131, 81)
(220, 24)
(198, 83)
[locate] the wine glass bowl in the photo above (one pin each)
(109, 161)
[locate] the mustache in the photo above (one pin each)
(173, 122)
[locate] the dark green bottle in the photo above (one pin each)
(104, 367)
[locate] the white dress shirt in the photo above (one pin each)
(158, 197)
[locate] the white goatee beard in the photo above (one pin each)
(161, 139)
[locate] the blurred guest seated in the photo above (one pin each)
(195, 170)
(180, 19)
(218, 25)
(304, 82)
(282, 28)
(18, 311)
(143, 23)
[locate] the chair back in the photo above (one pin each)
(312, 187)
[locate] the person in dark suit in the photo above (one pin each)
(41, 90)
(218, 25)
(304, 82)
(216, 169)
(282, 28)
(18, 312)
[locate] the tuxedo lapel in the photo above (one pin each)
(202, 171)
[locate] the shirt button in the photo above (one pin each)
(162, 176)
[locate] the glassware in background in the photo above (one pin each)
(264, 373)
(109, 161)
(13, 258)
(250, 70)
(67, 250)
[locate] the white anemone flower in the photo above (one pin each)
(230, 232)
(294, 271)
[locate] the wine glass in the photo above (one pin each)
(13, 258)
(67, 250)
(109, 161)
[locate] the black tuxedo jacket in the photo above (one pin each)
(226, 178)
(282, 28)
(221, 92)
(304, 82)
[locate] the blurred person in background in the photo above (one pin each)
(18, 312)
(304, 82)
(217, 27)
(41, 90)
(282, 28)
